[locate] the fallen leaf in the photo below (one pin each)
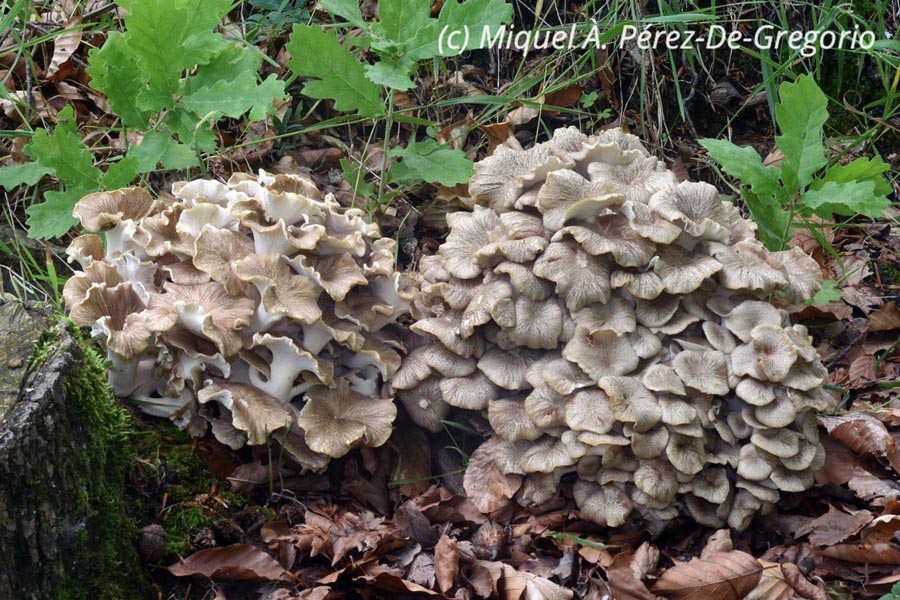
(864, 434)
(885, 318)
(718, 542)
(483, 577)
(869, 487)
(803, 586)
(835, 526)
(772, 584)
(622, 581)
(563, 98)
(487, 486)
(876, 554)
(446, 562)
(237, 561)
(726, 576)
(64, 46)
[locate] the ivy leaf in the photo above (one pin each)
(845, 198)
(53, 217)
(801, 116)
(432, 162)
(29, 174)
(64, 152)
(339, 74)
(236, 97)
(765, 197)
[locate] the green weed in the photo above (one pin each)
(805, 185)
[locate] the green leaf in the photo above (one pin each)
(29, 174)
(354, 175)
(391, 74)
(340, 76)
(168, 36)
(765, 198)
(121, 174)
(159, 147)
(348, 9)
(112, 71)
(64, 152)
(861, 169)
(432, 162)
(827, 293)
(236, 97)
(848, 198)
(53, 217)
(476, 15)
(801, 115)
(400, 19)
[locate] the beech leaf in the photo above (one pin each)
(725, 576)
(237, 561)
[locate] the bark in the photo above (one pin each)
(64, 532)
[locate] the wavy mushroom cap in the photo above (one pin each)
(622, 329)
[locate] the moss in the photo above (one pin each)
(100, 558)
(173, 486)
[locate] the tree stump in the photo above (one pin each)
(64, 532)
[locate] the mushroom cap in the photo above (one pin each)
(102, 210)
(581, 279)
(335, 420)
(421, 362)
(601, 352)
(703, 370)
(697, 207)
(605, 505)
(507, 368)
(252, 410)
(657, 479)
(510, 421)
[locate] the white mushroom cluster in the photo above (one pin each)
(258, 307)
(617, 324)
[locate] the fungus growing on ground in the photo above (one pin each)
(257, 307)
(615, 324)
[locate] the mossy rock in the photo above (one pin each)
(64, 532)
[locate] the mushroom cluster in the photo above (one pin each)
(617, 324)
(256, 307)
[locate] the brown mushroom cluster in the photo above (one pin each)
(617, 324)
(256, 307)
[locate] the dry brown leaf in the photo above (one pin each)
(886, 318)
(622, 581)
(446, 562)
(387, 582)
(861, 371)
(238, 561)
(772, 584)
(64, 46)
(514, 584)
(863, 434)
(563, 98)
(839, 463)
(803, 586)
(835, 526)
(523, 114)
(413, 460)
(876, 554)
(454, 134)
(718, 542)
(487, 486)
(874, 489)
(726, 576)
(484, 576)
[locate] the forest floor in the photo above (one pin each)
(224, 524)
